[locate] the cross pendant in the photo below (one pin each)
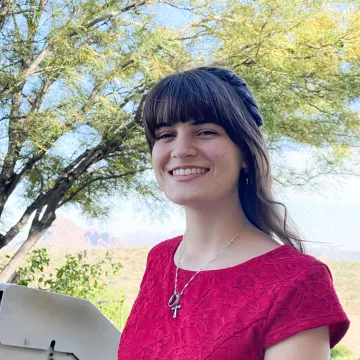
(175, 308)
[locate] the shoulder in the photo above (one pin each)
(294, 275)
(166, 245)
(164, 249)
(289, 273)
(298, 256)
(159, 257)
(309, 267)
(291, 264)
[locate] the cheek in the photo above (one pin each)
(158, 158)
(229, 157)
(230, 162)
(155, 155)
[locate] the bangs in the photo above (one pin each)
(190, 95)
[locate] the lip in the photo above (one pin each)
(185, 178)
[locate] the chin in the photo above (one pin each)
(189, 200)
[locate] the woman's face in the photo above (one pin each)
(207, 163)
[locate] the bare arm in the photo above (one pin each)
(311, 344)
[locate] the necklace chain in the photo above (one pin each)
(203, 267)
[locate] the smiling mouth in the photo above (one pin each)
(188, 172)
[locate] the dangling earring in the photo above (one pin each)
(247, 176)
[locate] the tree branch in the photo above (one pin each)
(31, 68)
(15, 178)
(306, 181)
(191, 9)
(115, 14)
(14, 146)
(37, 229)
(321, 110)
(99, 86)
(14, 230)
(138, 112)
(40, 95)
(99, 178)
(12, 117)
(39, 59)
(82, 156)
(49, 49)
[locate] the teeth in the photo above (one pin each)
(181, 172)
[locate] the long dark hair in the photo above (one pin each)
(219, 96)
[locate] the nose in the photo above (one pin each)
(183, 147)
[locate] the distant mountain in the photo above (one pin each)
(147, 238)
(335, 253)
(64, 233)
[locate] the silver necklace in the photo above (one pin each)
(174, 301)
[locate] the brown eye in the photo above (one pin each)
(207, 132)
(163, 136)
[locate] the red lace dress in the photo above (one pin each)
(233, 313)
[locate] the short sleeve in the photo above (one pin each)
(309, 301)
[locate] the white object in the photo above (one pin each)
(36, 324)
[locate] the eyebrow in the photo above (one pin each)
(193, 123)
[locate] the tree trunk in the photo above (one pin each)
(5, 8)
(35, 233)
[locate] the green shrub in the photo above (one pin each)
(76, 277)
(341, 352)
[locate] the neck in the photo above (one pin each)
(210, 227)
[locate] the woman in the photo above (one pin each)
(237, 285)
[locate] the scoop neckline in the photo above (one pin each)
(230, 268)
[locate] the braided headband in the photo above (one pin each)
(241, 89)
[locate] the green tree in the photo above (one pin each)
(302, 59)
(74, 75)
(73, 78)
